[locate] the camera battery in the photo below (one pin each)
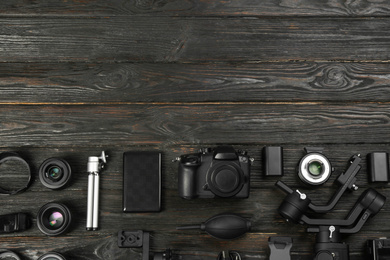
(378, 166)
(273, 161)
(141, 181)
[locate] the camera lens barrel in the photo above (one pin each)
(52, 256)
(54, 219)
(55, 173)
(314, 169)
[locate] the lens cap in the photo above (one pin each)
(54, 219)
(55, 173)
(225, 179)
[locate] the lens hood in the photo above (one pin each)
(52, 256)
(55, 173)
(54, 219)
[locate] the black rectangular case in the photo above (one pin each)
(141, 181)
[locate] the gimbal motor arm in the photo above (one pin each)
(302, 203)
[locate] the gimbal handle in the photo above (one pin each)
(370, 203)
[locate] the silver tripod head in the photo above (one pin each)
(96, 163)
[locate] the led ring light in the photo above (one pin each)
(314, 169)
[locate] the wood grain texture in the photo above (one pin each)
(141, 39)
(193, 124)
(198, 8)
(193, 245)
(147, 82)
(78, 77)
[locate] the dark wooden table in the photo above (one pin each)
(78, 77)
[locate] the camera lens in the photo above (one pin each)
(53, 219)
(315, 168)
(54, 173)
(52, 256)
(8, 255)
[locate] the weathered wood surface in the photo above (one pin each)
(78, 77)
(167, 39)
(142, 124)
(198, 8)
(148, 82)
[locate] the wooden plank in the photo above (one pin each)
(144, 124)
(258, 207)
(198, 8)
(124, 82)
(141, 39)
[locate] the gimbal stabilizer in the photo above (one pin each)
(329, 245)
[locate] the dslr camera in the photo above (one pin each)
(222, 172)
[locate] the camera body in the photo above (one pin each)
(222, 172)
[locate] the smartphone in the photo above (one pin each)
(142, 181)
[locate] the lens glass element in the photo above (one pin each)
(54, 173)
(56, 219)
(315, 168)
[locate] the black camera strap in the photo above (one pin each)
(7, 156)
